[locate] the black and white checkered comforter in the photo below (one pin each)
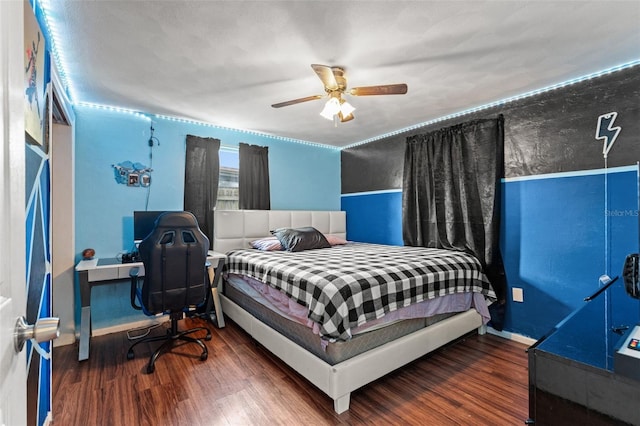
(344, 286)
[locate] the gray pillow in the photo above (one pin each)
(299, 239)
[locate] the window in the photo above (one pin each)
(228, 184)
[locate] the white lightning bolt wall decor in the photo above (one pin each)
(607, 132)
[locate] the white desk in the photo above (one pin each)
(96, 272)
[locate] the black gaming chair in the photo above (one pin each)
(175, 278)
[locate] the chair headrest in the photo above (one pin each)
(176, 220)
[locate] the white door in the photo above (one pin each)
(13, 366)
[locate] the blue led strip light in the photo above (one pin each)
(114, 109)
(146, 116)
(250, 132)
(61, 65)
(52, 31)
(502, 101)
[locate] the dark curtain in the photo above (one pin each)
(253, 177)
(201, 176)
(451, 195)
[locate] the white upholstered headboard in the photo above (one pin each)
(234, 229)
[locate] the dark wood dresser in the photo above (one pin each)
(572, 378)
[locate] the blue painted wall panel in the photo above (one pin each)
(554, 241)
(374, 218)
(555, 244)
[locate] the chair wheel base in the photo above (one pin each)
(169, 340)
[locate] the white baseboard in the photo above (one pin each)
(130, 326)
(64, 339)
(512, 336)
(69, 339)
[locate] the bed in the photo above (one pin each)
(338, 349)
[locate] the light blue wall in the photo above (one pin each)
(302, 177)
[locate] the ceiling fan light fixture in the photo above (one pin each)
(331, 108)
(346, 108)
(335, 85)
(345, 118)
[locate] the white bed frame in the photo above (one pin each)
(235, 228)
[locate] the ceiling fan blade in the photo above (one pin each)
(325, 73)
(387, 89)
(297, 101)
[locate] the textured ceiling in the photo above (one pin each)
(226, 62)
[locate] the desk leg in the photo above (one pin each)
(214, 292)
(214, 279)
(218, 307)
(85, 317)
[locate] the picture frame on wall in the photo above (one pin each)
(34, 76)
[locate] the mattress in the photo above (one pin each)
(346, 286)
(332, 352)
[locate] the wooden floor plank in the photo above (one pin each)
(477, 380)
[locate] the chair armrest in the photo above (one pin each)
(133, 273)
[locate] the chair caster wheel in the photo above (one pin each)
(151, 368)
(130, 354)
(207, 337)
(204, 356)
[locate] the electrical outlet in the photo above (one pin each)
(517, 294)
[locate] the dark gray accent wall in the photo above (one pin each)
(547, 133)
(373, 166)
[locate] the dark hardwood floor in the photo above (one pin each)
(478, 380)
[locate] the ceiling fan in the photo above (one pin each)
(335, 85)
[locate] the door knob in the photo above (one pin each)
(43, 330)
